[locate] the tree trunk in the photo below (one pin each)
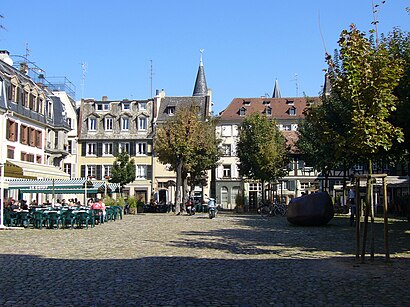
(178, 187)
(368, 205)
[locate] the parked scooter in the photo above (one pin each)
(190, 207)
(212, 208)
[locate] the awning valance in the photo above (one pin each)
(32, 170)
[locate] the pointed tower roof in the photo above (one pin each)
(200, 88)
(276, 90)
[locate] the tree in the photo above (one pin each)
(123, 170)
(188, 144)
(261, 149)
(364, 77)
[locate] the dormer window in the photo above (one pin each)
(92, 124)
(292, 111)
(171, 110)
(142, 106)
(268, 111)
(247, 102)
(126, 105)
(102, 106)
(290, 102)
(242, 111)
(125, 123)
(266, 102)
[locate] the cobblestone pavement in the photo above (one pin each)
(232, 260)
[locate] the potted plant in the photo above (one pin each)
(140, 206)
(132, 204)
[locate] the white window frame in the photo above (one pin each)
(92, 124)
(141, 149)
(107, 149)
(91, 170)
(126, 106)
(108, 123)
(125, 123)
(91, 149)
(107, 170)
(142, 123)
(124, 147)
(227, 171)
(227, 150)
(141, 172)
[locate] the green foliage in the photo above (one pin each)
(261, 149)
(363, 78)
(132, 201)
(109, 201)
(123, 169)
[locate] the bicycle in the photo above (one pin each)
(272, 209)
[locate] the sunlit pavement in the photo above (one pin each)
(234, 259)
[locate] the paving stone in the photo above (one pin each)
(232, 260)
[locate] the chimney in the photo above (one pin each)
(104, 98)
(24, 68)
(5, 57)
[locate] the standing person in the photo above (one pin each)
(352, 196)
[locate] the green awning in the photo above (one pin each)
(60, 190)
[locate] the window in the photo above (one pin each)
(91, 170)
(11, 130)
(39, 138)
(286, 127)
(91, 149)
(125, 123)
(226, 130)
(142, 106)
(141, 172)
(67, 168)
(70, 147)
(70, 122)
(10, 152)
(126, 105)
(227, 171)
(242, 112)
(23, 134)
(39, 159)
(292, 111)
(107, 171)
(142, 123)
(102, 106)
(226, 150)
(99, 107)
(92, 124)
(141, 148)
(268, 111)
(124, 147)
(12, 95)
(108, 123)
(171, 110)
(107, 149)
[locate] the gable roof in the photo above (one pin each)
(280, 107)
(182, 101)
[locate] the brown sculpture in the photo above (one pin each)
(311, 210)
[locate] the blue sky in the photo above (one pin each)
(248, 44)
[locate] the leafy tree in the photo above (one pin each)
(364, 78)
(261, 149)
(123, 170)
(188, 144)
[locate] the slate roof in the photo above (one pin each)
(200, 87)
(280, 107)
(59, 118)
(181, 101)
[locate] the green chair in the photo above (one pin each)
(10, 218)
(83, 218)
(38, 219)
(110, 214)
(24, 219)
(118, 212)
(68, 218)
(53, 219)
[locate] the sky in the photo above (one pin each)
(127, 45)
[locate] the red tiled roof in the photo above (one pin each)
(279, 106)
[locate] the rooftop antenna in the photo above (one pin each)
(151, 77)
(27, 52)
(296, 79)
(84, 72)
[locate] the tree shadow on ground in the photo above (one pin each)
(277, 236)
(34, 281)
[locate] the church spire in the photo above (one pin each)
(200, 88)
(276, 90)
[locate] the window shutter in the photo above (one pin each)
(83, 149)
(132, 148)
(82, 171)
(73, 146)
(99, 149)
(99, 172)
(149, 172)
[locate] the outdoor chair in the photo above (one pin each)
(38, 219)
(68, 218)
(110, 214)
(118, 212)
(23, 219)
(53, 219)
(10, 218)
(83, 218)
